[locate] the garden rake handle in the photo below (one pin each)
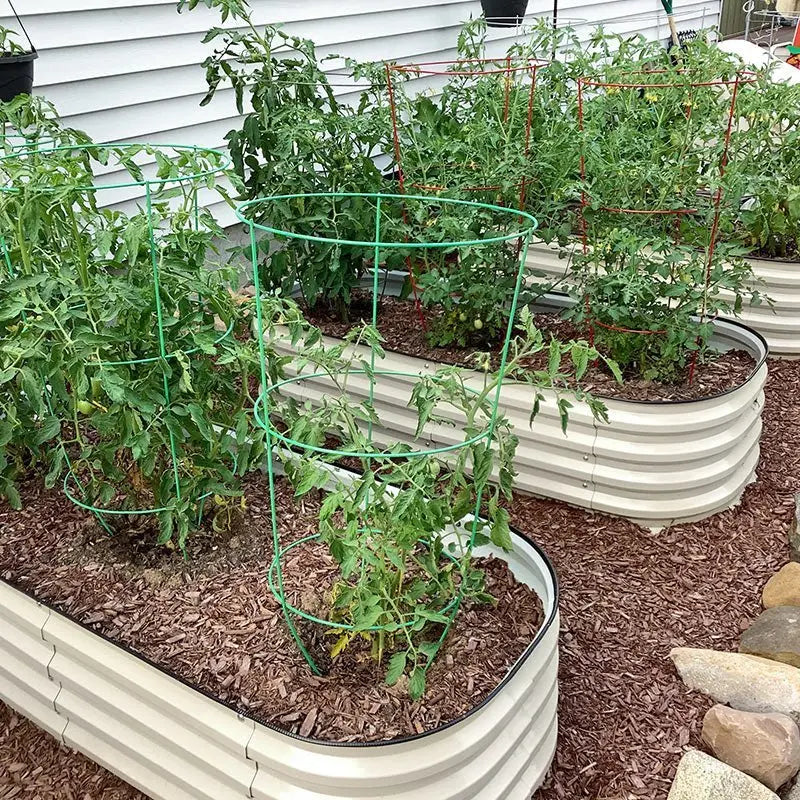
(667, 4)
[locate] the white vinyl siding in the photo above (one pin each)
(128, 70)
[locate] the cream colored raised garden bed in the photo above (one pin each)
(656, 462)
(549, 264)
(175, 743)
(779, 324)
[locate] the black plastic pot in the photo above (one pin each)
(16, 75)
(504, 13)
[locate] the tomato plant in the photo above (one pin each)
(764, 175)
(401, 528)
(300, 135)
(650, 301)
(84, 385)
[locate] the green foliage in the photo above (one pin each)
(763, 178)
(9, 46)
(299, 136)
(650, 300)
(402, 528)
(83, 387)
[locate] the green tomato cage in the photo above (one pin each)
(511, 229)
(166, 173)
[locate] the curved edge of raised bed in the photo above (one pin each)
(175, 742)
(780, 323)
(656, 463)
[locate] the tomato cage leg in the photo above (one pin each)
(712, 240)
(528, 130)
(584, 202)
(401, 186)
(507, 90)
(269, 446)
(523, 190)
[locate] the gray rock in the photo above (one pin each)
(794, 792)
(701, 777)
(746, 682)
(774, 634)
(764, 746)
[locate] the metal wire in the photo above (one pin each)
(525, 226)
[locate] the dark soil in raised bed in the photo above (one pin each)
(213, 620)
(400, 326)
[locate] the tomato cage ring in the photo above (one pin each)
(261, 415)
(459, 67)
(71, 479)
(651, 211)
(216, 163)
(175, 165)
(13, 142)
(527, 222)
(523, 225)
(743, 76)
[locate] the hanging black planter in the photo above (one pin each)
(504, 13)
(16, 69)
(16, 75)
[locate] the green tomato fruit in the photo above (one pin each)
(97, 388)
(85, 407)
(462, 316)
(478, 324)
(434, 467)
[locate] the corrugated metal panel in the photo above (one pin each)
(656, 463)
(779, 325)
(24, 680)
(128, 70)
(174, 743)
(548, 463)
(159, 735)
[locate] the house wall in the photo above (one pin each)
(128, 70)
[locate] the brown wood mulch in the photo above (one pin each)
(34, 766)
(627, 596)
(214, 621)
(399, 324)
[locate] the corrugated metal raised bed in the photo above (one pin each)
(656, 462)
(174, 742)
(550, 264)
(779, 324)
